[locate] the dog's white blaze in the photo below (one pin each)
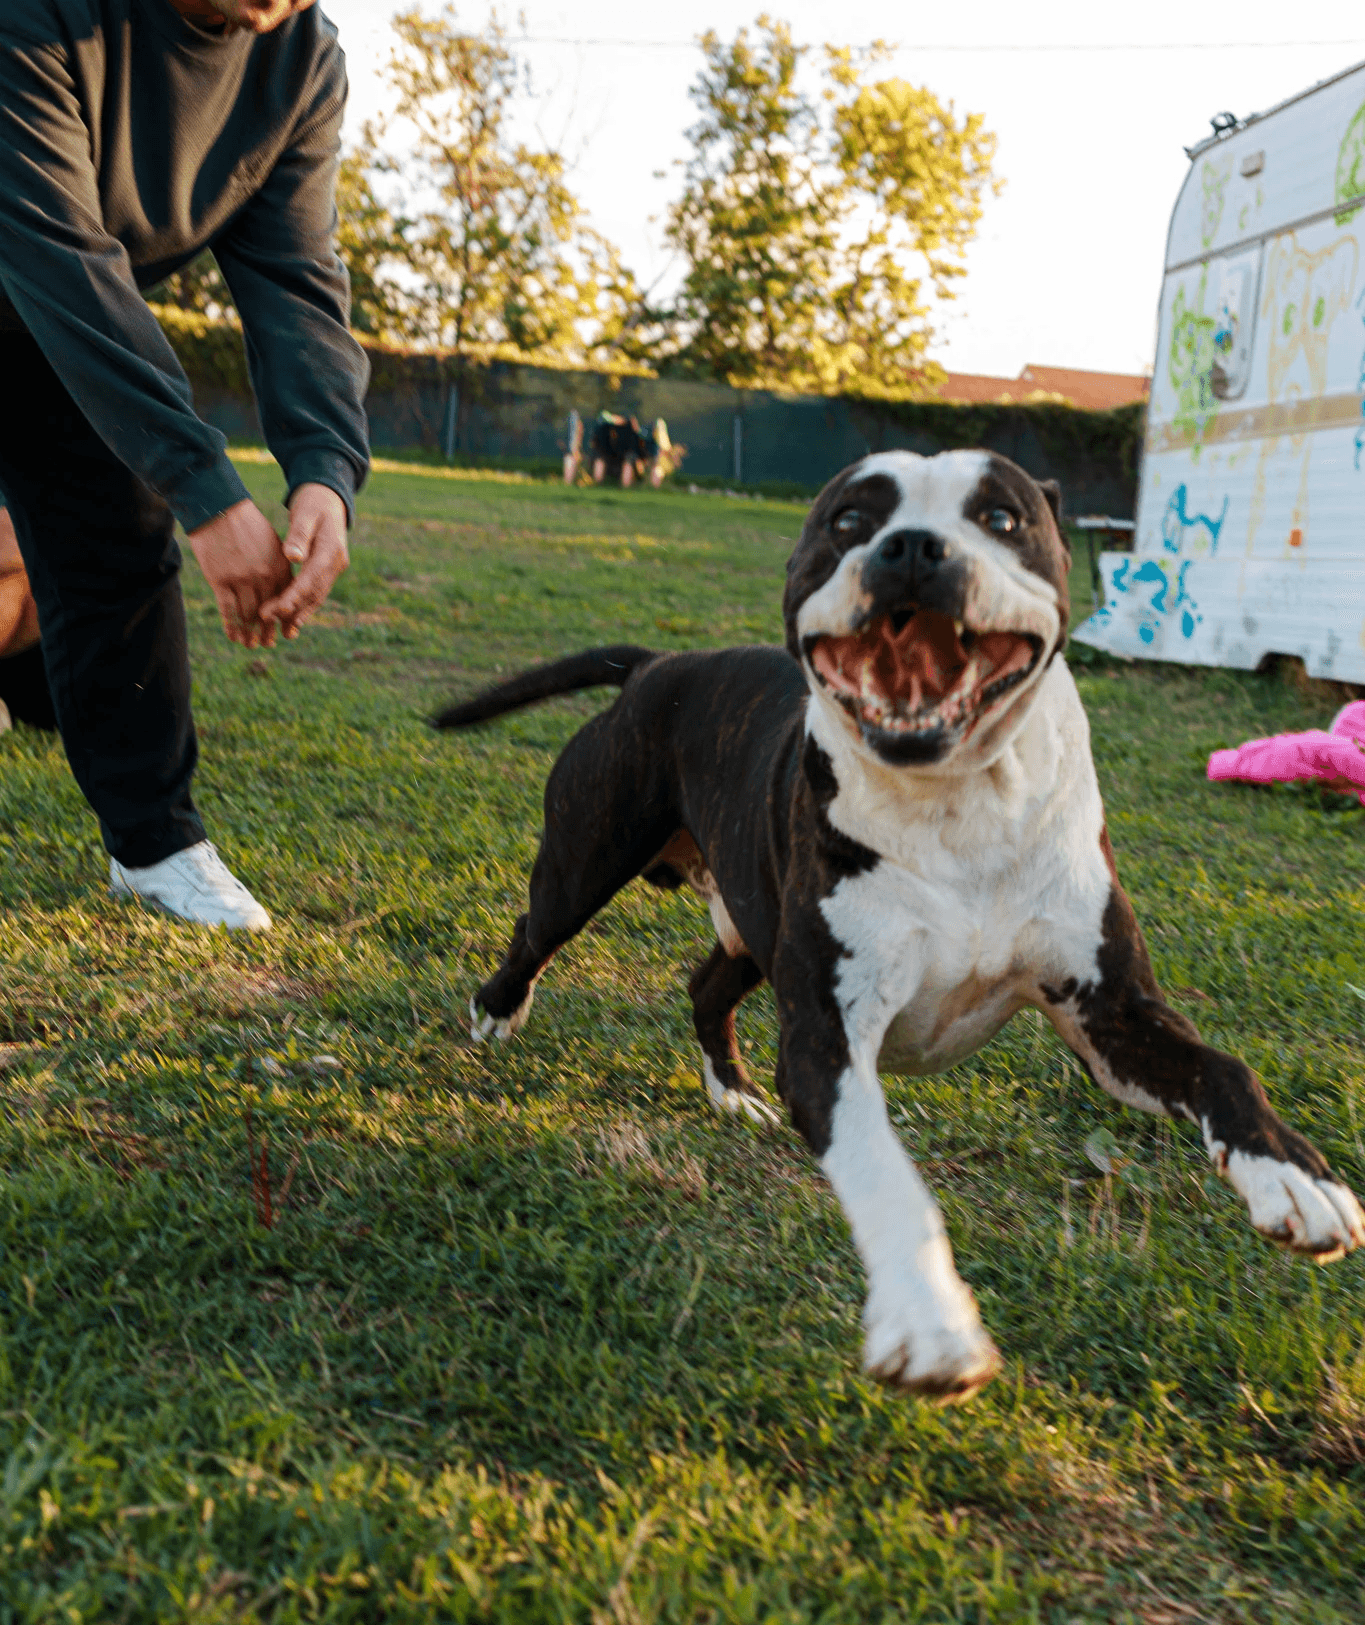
(1284, 1202)
(1002, 595)
(921, 1323)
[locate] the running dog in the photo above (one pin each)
(895, 820)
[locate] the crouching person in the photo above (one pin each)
(155, 130)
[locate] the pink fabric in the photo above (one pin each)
(1338, 755)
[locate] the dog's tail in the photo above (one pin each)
(594, 668)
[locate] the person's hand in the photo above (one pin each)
(242, 561)
(317, 543)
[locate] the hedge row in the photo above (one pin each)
(212, 355)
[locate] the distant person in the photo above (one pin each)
(614, 448)
(134, 134)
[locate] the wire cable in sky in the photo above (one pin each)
(1029, 47)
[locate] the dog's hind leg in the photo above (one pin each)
(605, 820)
(568, 887)
(717, 987)
(502, 1004)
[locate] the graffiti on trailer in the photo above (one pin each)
(1149, 616)
(1215, 184)
(1350, 177)
(1193, 352)
(1303, 294)
(1179, 526)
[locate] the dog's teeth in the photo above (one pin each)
(957, 628)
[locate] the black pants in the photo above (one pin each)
(102, 559)
(24, 689)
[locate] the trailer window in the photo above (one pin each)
(1236, 281)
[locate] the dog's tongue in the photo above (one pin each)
(916, 666)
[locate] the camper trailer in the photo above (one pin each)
(1250, 530)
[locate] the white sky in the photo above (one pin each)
(1066, 268)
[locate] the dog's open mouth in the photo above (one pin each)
(916, 674)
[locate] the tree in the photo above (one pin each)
(486, 250)
(810, 226)
(370, 241)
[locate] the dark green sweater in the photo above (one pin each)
(130, 140)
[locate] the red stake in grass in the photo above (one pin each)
(267, 1208)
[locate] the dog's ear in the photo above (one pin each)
(1052, 495)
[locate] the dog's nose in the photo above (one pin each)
(914, 564)
(911, 547)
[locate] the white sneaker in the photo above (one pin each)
(194, 885)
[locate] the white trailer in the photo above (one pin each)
(1250, 531)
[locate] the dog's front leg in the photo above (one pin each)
(1136, 1047)
(923, 1332)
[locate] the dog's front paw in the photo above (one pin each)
(483, 1026)
(911, 1346)
(738, 1102)
(1290, 1206)
(735, 1103)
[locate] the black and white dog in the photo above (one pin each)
(896, 821)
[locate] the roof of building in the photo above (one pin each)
(1095, 391)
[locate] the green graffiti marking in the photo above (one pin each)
(1351, 166)
(1319, 311)
(1287, 324)
(1193, 349)
(1215, 179)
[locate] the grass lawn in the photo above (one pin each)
(533, 1336)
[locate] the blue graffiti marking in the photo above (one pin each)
(1190, 618)
(1176, 522)
(1157, 607)
(1118, 582)
(1154, 573)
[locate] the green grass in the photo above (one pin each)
(534, 1336)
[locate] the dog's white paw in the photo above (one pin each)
(910, 1345)
(482, 1026)
(738, 1104)
(735, 1102)
(1289, 1206)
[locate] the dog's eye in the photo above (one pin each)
(847, 522)
(1001, 521)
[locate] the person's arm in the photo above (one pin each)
(278, 256)
(291, 289)
(73, 288)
